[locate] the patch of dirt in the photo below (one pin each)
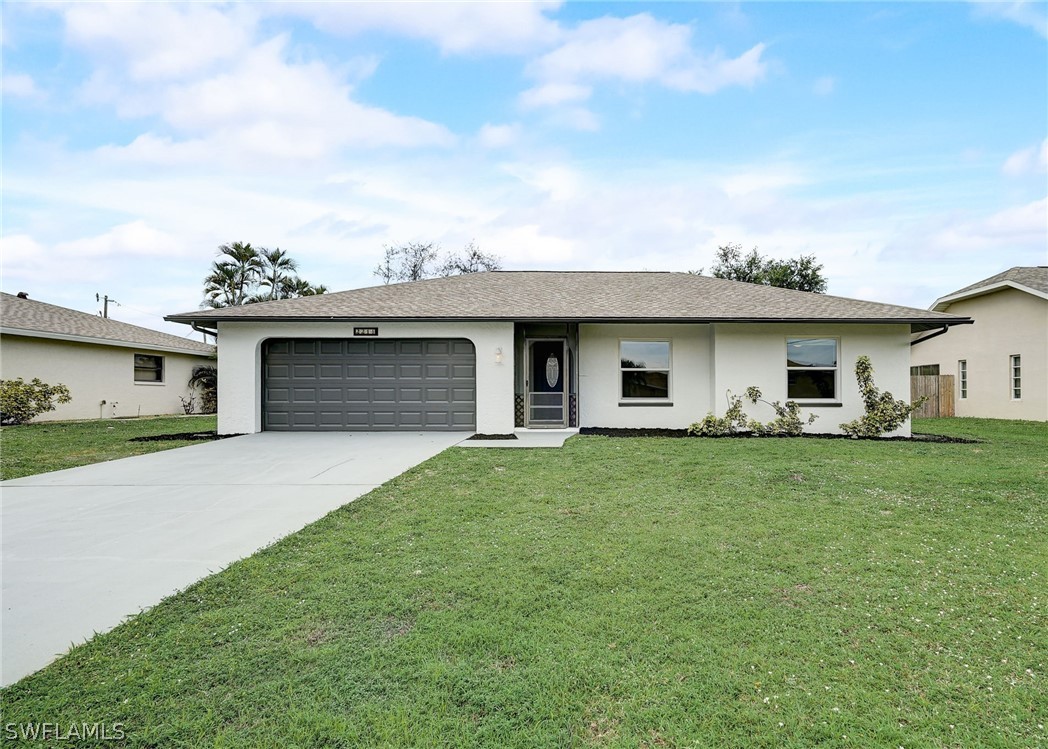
(492, 437)
(184, 436)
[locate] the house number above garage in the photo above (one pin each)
(365, 331)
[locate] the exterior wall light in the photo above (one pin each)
(498, 355)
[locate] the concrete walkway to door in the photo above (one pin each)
(85, 547)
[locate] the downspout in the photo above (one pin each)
(199, 328)
(938, 332)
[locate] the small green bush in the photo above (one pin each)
(884, 413)
(787, 421)
(21, 401)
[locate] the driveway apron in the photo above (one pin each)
(86, 547)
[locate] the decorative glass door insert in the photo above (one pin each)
(547, 384)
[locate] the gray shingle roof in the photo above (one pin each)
(575, 296)
(1035, 277)
(28, 316)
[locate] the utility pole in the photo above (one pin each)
(105, 303)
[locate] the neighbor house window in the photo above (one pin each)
(924, 369)
(1017, 381)
(811, 368)
(149, 368)
(962, 377)
(644, 369)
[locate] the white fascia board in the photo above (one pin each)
(942, 303)
(100, 341)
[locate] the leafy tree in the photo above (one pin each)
(21, 401)
(415, 261)
(802, 273)
(244, 275)
(472, 260)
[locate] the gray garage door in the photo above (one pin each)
(355, 384)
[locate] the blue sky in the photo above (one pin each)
(904, 144)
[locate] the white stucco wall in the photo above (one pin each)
(240, 364)
(1007, 322)
(748, 354)
(95, 373)
(599, 378)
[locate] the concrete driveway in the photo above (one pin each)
(86, 547)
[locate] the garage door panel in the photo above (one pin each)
(358, 372)
(409, 395)
(353, 384)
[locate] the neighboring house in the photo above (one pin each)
(492, 351)
(1000, 363)
(111, 368)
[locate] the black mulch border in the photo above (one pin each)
(184, 437)
(492, 437)
(677, 433)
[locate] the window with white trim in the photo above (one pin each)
(644, 370)
(962, 378)
(149, 368)
(811, 368)
(1017, 379)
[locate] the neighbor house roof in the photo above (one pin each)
(1032, 280)
(28, 317)
(580, 296)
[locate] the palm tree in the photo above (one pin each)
(278, 269)
(296, 287)
(205, 377)
(237, 269)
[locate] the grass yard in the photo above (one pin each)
(50, 446)
(618, 592)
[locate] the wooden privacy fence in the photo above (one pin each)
(938, 389)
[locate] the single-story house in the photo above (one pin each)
(490, 352)
(112, 369)
(999, 364)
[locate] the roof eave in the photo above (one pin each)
(917, 324)
(28, 333)
(942, 303)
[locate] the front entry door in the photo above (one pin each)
(547, 384)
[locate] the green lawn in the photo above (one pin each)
(617, 592)
(50, 446)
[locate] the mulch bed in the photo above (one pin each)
(623, 432)
(183, 437)
(492, 437)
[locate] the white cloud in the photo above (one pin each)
(456, 28)
(1033, 15)
(641, 49)
(19, 85)
(265, 106)
(552, 94)
(498, 136)
(160, 41)
(93, 258)
(135, 238)
(1032, 160)
(824, 86)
